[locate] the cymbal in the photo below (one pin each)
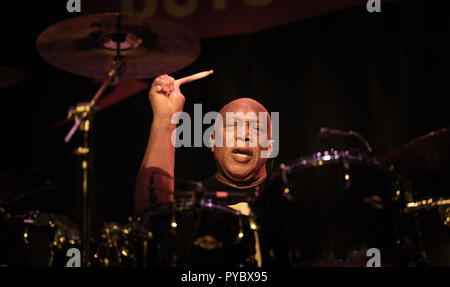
(122, 90)
(85, 45)
(422, 157)
(10, 76)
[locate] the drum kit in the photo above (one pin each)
(325, 209)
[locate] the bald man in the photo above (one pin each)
(239, 155)
(240, 166)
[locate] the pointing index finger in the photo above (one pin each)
(194, 77)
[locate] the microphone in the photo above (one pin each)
(326, 131)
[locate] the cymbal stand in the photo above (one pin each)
(83, 114)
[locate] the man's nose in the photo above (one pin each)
(246, 137)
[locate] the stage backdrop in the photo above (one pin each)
(214, 18)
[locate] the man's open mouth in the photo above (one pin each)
(242, 155)
(242, 151)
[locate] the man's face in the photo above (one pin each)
(239, 158)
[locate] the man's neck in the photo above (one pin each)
(241, 184)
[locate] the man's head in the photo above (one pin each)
(237, 144)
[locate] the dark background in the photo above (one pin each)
(384, 75)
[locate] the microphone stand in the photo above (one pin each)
(325, 131)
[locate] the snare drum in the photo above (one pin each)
(328, 209)
(37, 239)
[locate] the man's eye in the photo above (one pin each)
(255, 127)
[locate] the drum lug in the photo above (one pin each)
(286, 190)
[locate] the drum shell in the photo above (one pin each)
(36, 239)
(182, 246)
(428, 227)
(318, 213)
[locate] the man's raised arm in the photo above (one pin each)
(158, 164)
(159, 159)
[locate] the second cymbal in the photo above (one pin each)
(421, 156)
(425, 162)
(84, 45)
(10, 76)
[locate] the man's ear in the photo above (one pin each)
(270, 147)
(212, 141)
(266, 152)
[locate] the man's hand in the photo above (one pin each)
(165, 95)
